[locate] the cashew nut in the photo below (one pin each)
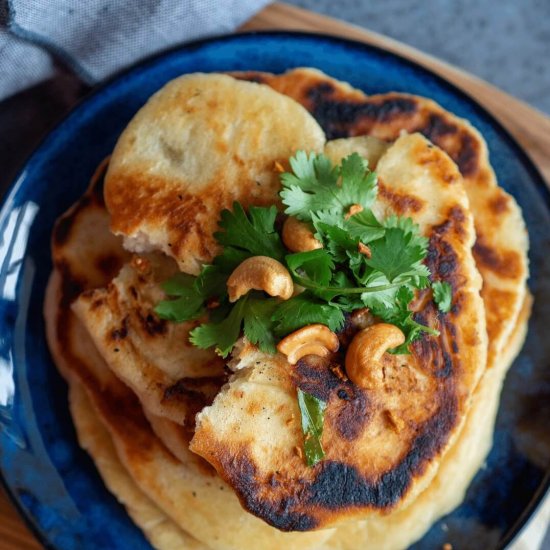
(298, 237)
(260, 273)
(309, 340)
(366, 350)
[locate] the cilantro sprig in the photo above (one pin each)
(364, 262)
(252, 314)
(312, 186)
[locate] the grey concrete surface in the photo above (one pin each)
(506, 42)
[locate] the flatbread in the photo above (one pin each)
(194, 498)
(373, 463)
(502, 242)
(200, 143)
(382, 115)
(392, 532)
(159, 529)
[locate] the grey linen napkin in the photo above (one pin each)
(95, 38)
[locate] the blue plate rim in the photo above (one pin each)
(541, 186)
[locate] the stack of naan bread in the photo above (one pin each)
(204, 457)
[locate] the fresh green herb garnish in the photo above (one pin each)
(312, 411)
(306, 309)
(222, 335)
(191, 293)
(252, 235)
(188, 303)
(364, 262)
(442, 295)
(313, 186)
(375, 263)
(253, 314)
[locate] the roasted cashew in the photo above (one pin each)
(298, 237)
(260, 273)
(309, 340)
(366, 350)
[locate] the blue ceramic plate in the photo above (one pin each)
(53, 482)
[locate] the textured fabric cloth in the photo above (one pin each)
(95, 38)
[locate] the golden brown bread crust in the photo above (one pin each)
(502, 242)
(383, 445)
(199, 144)
(399, 530)
(86, 268)
(83, 267)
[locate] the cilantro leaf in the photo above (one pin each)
(359, 184)
(230, 258)
(442, 295)
(211, 282)
(258, 326)
(222, 335)
(310, 172)
(305, 309)
(313, 187)
(410, 229)
(395, 255)
(188, 304)
(383, 298)
(254, 234)
(252, 313)
(346, 302)
(178, 284)
(317, 264)
(191, 294)
(330, 218)
(337, 241)
(312, 412)
(364, 226)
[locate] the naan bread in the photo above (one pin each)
(383, 446)
(200, 143)
(392, 532)
(502, 242)
(316, 91)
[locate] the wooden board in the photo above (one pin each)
(530, 127)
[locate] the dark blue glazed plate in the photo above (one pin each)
(53, 482)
